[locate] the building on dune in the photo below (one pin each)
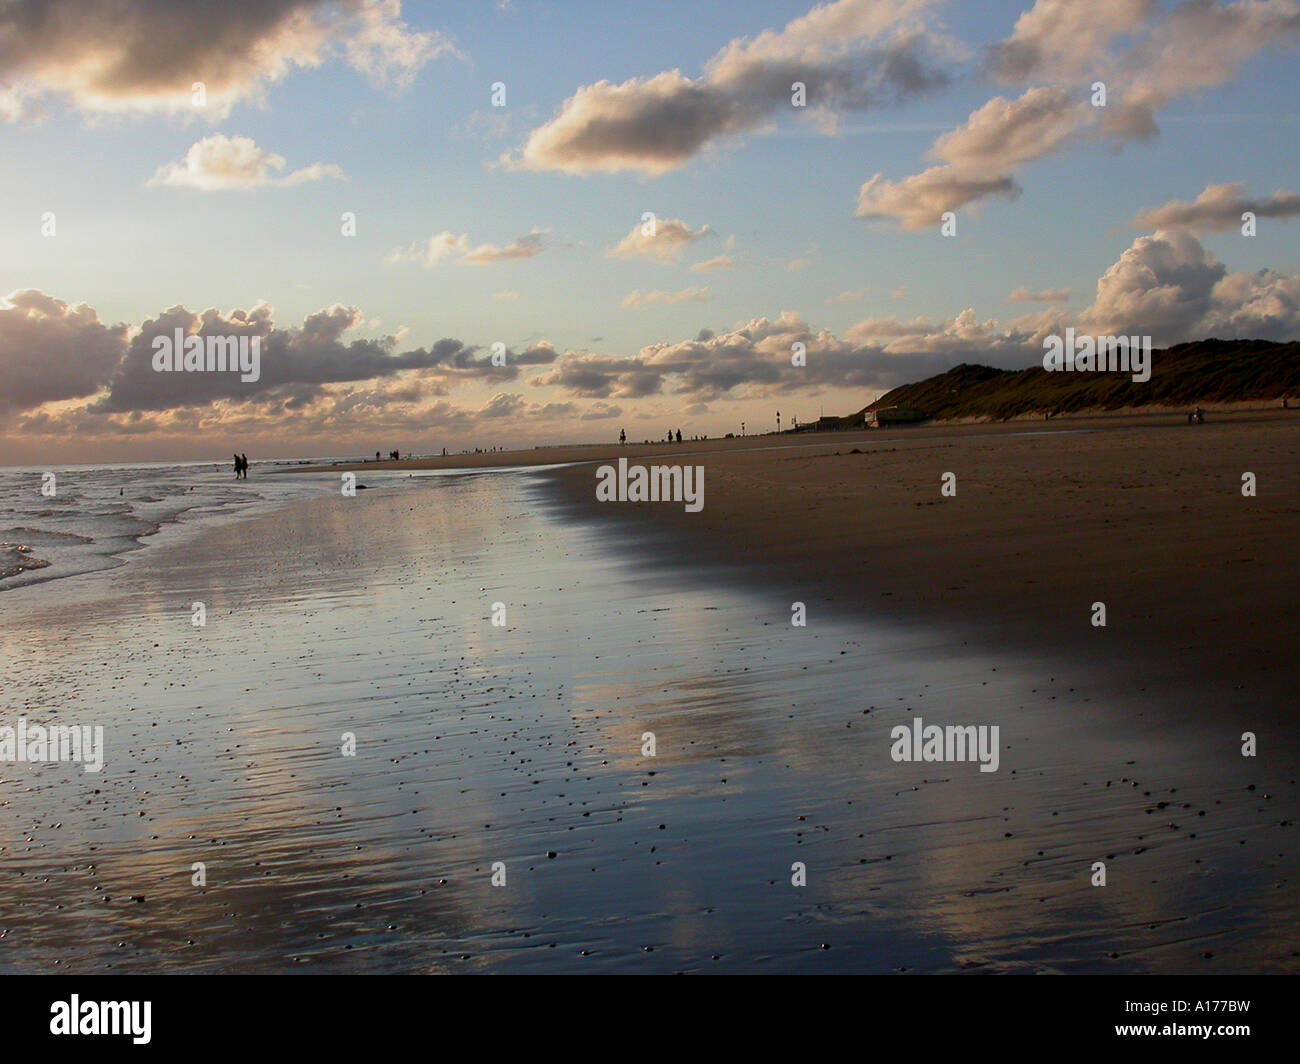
(889, 416)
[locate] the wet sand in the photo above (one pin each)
(523, 743)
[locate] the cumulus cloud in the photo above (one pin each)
(1062, 38)
(1160, 285)
(1166, 285)
(219, 162)
(1169, 286)
(51, 350)
(1217, 209)
(856, 295)
(918, 202)
(850, 55)
(1003, 133)
(1197, 45)
(68, 374)
(1047, 295)
(718, 262)
(638, 299)
(664, 242)
(1146, 55)
(754, 359)
(144, 55)
(979, 158)
(447, 245)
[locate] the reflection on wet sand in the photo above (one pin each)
(522, 744)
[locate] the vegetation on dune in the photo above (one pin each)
(1203, 372)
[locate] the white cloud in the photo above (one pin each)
(219, 162)
(663, 243)
(1217, 209)
(638, 299)
(456, 246)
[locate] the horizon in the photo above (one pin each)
(439, 233)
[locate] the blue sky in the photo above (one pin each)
(423, 157)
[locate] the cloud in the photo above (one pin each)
(51, 350)
(979, 158)
(1170, 287)
(1003, 133)
(447, 245)
(1162, 284)
(754, 360)
(718, 262)
(525, 247)
(219, 162)
(144, 55)
(1047, 295)
(1197, 45)
(851, 55)
(854, 296)
(637, 299)
(319, 378)
(918, 202)
(1062, 38)
(297, 363)
(1217, 209)
(1147, 56)
(664, 242)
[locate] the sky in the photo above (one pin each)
(644, 206)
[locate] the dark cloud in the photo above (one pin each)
(121, 55)
(850, 55)
(50, 350)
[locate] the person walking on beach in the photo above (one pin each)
(679, 435)
(622, 436)
(238, 467)
(243, 464)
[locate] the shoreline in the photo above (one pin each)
(562, 454)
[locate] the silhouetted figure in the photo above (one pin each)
(622, 436)
(679, 435)
(239, 467)
(243, 464)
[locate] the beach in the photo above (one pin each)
(411, 735)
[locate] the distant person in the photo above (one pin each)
(679, 435)
(622, 434)
(239, 467)
(243, 464)
(1200, 416)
